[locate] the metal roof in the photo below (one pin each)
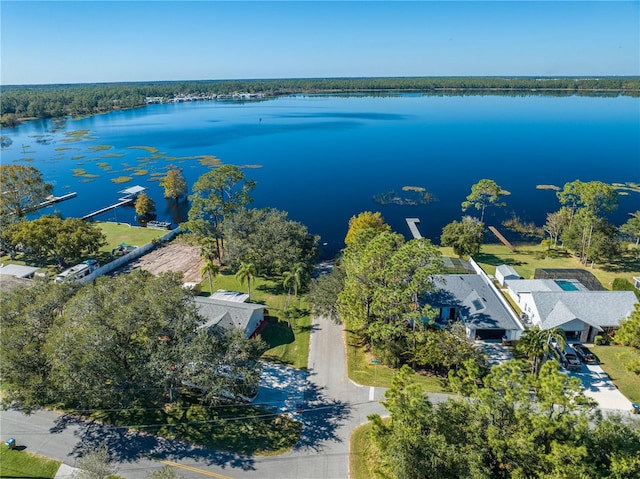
(18, 271)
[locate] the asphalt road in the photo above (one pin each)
(333, 407)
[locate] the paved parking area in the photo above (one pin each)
(281, 387)
(497, 353)
(598, 386)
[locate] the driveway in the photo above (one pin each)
(598, 386)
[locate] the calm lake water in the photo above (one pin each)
(323, 158)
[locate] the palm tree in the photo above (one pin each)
(292, 280)
(246, 272)
(541, 343)
(210, 269)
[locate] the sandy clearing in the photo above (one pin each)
(175, 256)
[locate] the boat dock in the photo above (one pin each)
(124, 201)
(129, 197)
(413, 227)
(502, 238)
(55, 199)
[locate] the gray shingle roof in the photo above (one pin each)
(597, 308)
(476, 299)
(225, 313)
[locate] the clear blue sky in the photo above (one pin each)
(112, 41)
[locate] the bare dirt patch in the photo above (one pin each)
(174, 256)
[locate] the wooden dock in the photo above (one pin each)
(123, 201)
(502, 239)
(412, 224)
(56, 199)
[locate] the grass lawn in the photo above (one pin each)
(241, 429)
(612, 360)
(363, 454)
(288, 339)
(362, 371)
(528, 257)
(20, 463)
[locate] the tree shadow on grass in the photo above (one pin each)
(277, 332)
(494, 260)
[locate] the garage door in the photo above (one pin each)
(490, 333)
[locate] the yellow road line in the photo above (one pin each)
(191, 468)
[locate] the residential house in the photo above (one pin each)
(569, 305)
(225, 313)
(474, 300)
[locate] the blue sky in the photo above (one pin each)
(112, 41)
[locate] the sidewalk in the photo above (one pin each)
(65, 472)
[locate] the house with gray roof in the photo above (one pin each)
(569, 305)
(505, 272)
(220, 313)
(474, 300)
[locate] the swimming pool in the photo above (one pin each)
(566, 285)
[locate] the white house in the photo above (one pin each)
(505, 272)
(569, 305)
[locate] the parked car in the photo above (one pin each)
(583, 353)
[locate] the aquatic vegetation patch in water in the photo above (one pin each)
(150, 149)
(548, 187)
(112, 155)
(140, 172)
(121, 179)
(27, 158)
(100, 147)
(77, 157)
(251, 167)
(625, 188)
(81, 172)
(62, 148)
(209, 160)
(410, 196)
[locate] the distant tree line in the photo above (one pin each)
(20, 102)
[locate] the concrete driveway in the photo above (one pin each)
(598, 386)
(281, 388)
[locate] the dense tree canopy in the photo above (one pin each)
(217, 195)
(22, 189)
(516, 426)
(116, 342)
(384, 278)
(465, 237)
(46, 101)
(269, 240)
(145, 205)
(363, 221)
(51, 237)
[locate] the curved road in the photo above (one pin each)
(333, 407)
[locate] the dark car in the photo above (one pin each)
(583, 352)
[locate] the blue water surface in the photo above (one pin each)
(322, 158)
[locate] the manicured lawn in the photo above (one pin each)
(612, 360)
(288, 339)
(528, 257)
(362, 371)
(241, 429)
(117, 233)
(21, 463)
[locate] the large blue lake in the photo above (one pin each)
(324, 158)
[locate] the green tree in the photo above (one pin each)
(95, 464)
(365, 220)
(632, 226)
(65, 240)
(538, 344)
(22, 189)
(217, 195)
(484, 193)
(591, 238)
(211, 270)
(323, 294)
(293, 280)
(465, 237)
(145, 205)
(175, 185)
(246, 273)
(629, 332)
(556, 223)
(270, 240)
(26, 320)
